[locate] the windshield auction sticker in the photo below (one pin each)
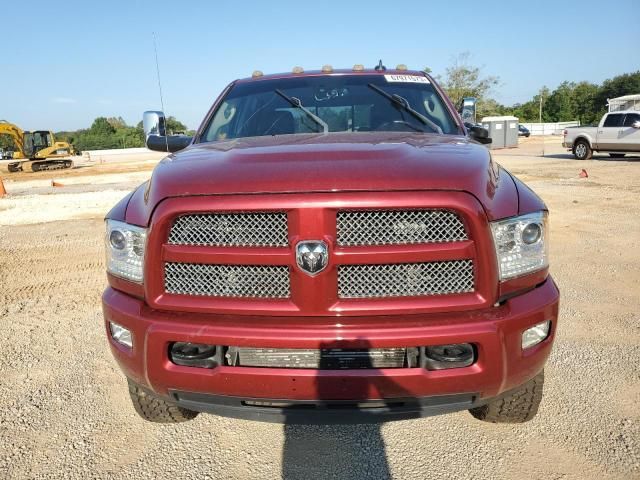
(406, 78)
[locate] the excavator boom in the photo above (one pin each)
(17, 134)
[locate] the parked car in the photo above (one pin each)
(617, 133)
(523, 131)
(330, 246)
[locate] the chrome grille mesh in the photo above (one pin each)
(388, 227)
(405, 279)
(258, 229)
(227, 280)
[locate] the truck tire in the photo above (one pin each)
(617, 155)
(582, 150)
(155, 409)
(518, 407)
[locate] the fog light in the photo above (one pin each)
(440, 357)
(536, 334)
(193, 354)
(121, 335)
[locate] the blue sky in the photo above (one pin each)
(97, 56)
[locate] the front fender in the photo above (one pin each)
(119, 210)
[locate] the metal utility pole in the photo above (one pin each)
(542, 124)
(541, 93)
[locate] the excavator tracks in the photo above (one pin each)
(38, 166)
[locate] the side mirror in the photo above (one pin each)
(479, 134)
(467, 109)
(155, 133)
(154, 123)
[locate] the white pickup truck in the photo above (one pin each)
(617, 133)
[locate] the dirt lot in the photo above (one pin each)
(65, 413)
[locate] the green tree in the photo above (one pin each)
(101, 126)
(117, 122)
(586, 107)
(489, 107)
(175, 126)
(462, 79)
(626, 84)
(583, 101)
(559, 107)
(530, 111)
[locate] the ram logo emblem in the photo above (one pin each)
(312, 256)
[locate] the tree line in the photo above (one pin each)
(104, 134)
(113, 132)
(583, 101)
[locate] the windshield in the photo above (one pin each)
(345, 103)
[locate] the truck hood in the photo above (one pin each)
(333, 162)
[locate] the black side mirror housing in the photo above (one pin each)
(169, 143)
(479, 134)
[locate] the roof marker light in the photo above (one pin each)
(401, 66)
(256, 74)
(327, 69)
(358, 67)
(297, 70)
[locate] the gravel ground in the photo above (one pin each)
(65, 413)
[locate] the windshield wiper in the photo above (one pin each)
(404, 104)
(298, 104)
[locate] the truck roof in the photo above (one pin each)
(342, 71)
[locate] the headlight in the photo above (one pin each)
(125, 250)
(521, 244)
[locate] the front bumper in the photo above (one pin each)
(501, 363)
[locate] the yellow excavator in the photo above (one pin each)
(38, 149)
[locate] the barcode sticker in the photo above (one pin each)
(406, 78)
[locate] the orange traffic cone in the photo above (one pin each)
(3, 191)
(56, 184)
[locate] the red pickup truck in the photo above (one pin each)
(330, 246)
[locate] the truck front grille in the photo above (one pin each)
(248, 281)
(259, 229)
(405, 279)
(388, 227)
(324, 359)
(387, 253)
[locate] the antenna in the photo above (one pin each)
(155, 48)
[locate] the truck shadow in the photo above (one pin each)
(354, 451)
(596, 157)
